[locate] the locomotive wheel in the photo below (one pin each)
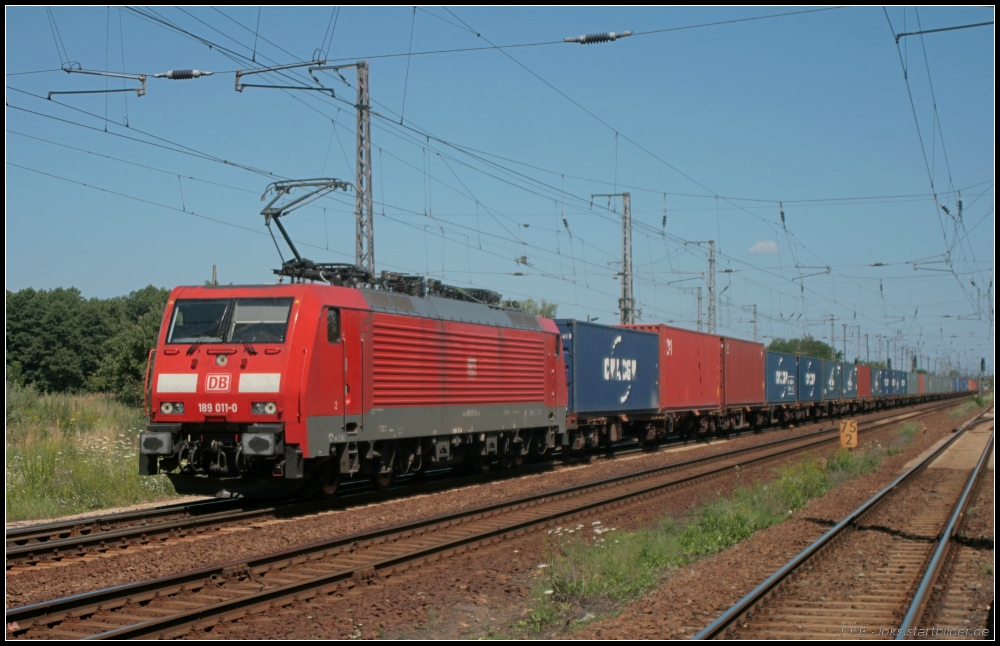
(382, 481)
(331, 482)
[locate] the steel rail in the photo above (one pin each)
(39, 543)
(58, 530)
(926, 587)
(298, 590)
(19, 619)
(722, 624)
(47, 531)
(119, 538)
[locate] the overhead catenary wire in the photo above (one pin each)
(587, 283)
(581, 200)
(452, 170)
(927, 165)
(590, 113)
(57, 37)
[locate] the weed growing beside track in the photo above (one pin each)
(68, 454)
(597, 567)
(966, 409)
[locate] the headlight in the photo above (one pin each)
(172, 408)
(264, 408)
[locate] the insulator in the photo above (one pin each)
(182, 75)
(598, 38)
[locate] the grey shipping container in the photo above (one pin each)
(832, 379)
(809, 379)
(610, 370)
(850, 381)
(781, 378)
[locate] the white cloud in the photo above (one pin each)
(765, 246)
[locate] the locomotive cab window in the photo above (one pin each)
(198, 321)
(333, 325)
(259, 320)
(241, 320)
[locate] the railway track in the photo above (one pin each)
(67, 542)
(178, 604)
(871, 574)
(945, 597)
(71, 541)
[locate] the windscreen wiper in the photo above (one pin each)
(216, 331)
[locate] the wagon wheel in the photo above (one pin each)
(382, 481)
(478, 465)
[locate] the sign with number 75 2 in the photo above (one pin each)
(849, 433)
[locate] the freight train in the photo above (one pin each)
(288, 388)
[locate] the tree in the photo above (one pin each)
(544, 309)
(58, 341)
(123, 359)
(123, 370)
(54, 337)
(807, 346)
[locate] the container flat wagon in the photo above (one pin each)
(691, 397)
(613, 381)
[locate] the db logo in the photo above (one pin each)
(218, 383)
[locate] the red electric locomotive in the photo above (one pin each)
(271, 389)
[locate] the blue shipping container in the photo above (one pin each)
(850, 381)
(832, 379)
(904, 381)
(880, 382)
(782, 375)
(610, 370)
(809, 379)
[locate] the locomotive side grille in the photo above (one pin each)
(429, 362)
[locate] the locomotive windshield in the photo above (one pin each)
(240, 320)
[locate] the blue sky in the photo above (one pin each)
(480, 155)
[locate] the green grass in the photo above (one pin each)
(909, 430)
(968, 407)
(69, 454)
(595, 566)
